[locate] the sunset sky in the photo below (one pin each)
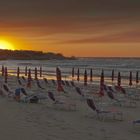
(90, 28)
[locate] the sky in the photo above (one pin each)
(89, 28)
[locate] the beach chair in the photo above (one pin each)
(34, 99)
(23, 91)
(119, 101)
(78, 90)
(23, 78)
(63, 83)
(34, 96)
(57, 104)
(133, 93)
(136, 126)
(67, 83)
(130, 95)
(30, 99)
(7, 91)
(45, 80)
(38, 84)
(19, 82)
(72, 83)
(120, 89)
(110, 94)
(54, 82)
(136, 122)
(103, 114)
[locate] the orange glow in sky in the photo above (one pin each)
(89, 28)
(91, 38)
(4, 44)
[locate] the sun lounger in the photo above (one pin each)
(103, 114)
(67, 83)
(57, 104)
(63, 83)
(24, 78)
(40, 96)
(7, 91)
(72, 83)
(136, 126)
(54, 82)
(39, 85)
(119, 101)
(45, 80)
(78, 90)
(19, 82)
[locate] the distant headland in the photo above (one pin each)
(31, 55)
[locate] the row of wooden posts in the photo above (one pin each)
(74, 74)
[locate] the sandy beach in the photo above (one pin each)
(43, 121)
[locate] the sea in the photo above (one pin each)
(123, 65)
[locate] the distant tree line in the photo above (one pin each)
(30, 55)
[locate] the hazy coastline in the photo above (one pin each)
(31, 55)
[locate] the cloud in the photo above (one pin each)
(20, 9)
(126, 37)
(82, 30)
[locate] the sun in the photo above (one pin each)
(6, 45)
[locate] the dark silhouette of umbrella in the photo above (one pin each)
(40, 71)
(26, 71)
(78, 75)
(91, 75)
(73, 72)
(2, 71)
(130, 79)
(58, 77)
(18, 72)
(101, 92)
(36, 74)
(137, 77)
(85, 78)
(6, 74)
(102, 78)
(112, 77)
(29, 79)
(119, 79)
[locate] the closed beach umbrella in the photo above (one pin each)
(78, 75)
(40, 71)
(35, 73)
(119, 79)
(2, 71)
(85, 78)
(91, 75)
(101, 92)
(58, 77)
(112, 77)
(26, 71)
(18, 72)
(73, 72)
(6, 74)
(29, 79)
(130, 79)
(137, 77)
(102, 79)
